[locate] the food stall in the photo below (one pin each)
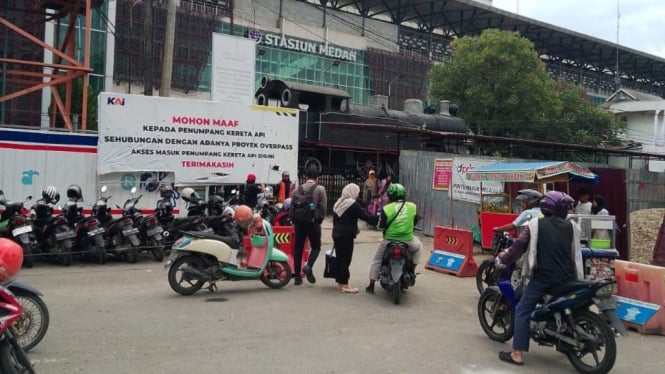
(499, 209)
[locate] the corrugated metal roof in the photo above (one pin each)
(317, 89)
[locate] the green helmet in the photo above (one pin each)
(396, 192)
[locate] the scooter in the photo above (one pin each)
(14, 225)
(397, 270)
(199, 257)
(12, 357)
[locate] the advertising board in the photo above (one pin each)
(201, 142)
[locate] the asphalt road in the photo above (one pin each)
(122, 318)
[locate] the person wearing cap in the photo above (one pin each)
(252, 190)
(285, 187)
(529, 200)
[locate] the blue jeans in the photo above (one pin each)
(530, 297)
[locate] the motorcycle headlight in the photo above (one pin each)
(607, 290)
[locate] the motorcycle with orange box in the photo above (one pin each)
(203, 257)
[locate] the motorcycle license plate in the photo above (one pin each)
(155, 230)
(96, 231)
(65, 235)
(130, 231)
(170, 260)
(21, 230)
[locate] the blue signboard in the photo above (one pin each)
(635, 311)
(446, 260)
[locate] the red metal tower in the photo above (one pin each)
(24, 74)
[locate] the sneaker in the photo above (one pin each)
(369, 289)
(298, 281)
(308, 272)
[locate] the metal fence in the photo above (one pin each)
(334, 180)
(434, 206)
(644, 189)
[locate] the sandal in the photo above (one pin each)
(348, 290)
(507, 357)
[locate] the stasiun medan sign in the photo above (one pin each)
(294, 44)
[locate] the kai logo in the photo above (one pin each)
(115, 101)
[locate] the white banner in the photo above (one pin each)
(233, 69)
(466, 190)
(202, 142)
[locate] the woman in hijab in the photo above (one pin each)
(371, 187)
(347, 211)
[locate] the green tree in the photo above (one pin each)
(502, 88)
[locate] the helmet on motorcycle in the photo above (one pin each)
(396, 192)
(530, 197)
(11, 259)
(556, 203)
(189, 195)
(251, 178)
(244, 216)
(165, 191)
(215, 205)
(74, 192)
(50, 194)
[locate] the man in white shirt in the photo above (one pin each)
(584, 203)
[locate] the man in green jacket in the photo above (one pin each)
(397, 221)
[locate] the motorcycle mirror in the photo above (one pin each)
(104, 189)
(28, 198)
(275, 167)
(133, 190)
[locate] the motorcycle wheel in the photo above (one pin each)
(34, 322)
(157, 250)
(277, 274)
(132, 254)
(495, 312)
(66, 259)
(397, 292)
(12, 358)
(593, 325)
(101, 255)
(485, 276)
(191, 284)
(28, 257)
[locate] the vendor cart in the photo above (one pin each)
(499, 209)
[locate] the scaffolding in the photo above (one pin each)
(25, 72)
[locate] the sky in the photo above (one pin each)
(641, 22)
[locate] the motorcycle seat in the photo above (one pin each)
(569, 287)
(229, 240)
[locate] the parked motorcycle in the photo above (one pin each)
(12, 357)
(31, 327)
(54, 236)
(562, 320)
(89, 240)
(14, 225)
(120, 236)
(265, 205)
(150, 231)
(198, 258)
(397, 270)
(173, 227)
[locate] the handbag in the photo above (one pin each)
(330, 270)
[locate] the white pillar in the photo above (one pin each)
(110, 47)
(49, 38)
